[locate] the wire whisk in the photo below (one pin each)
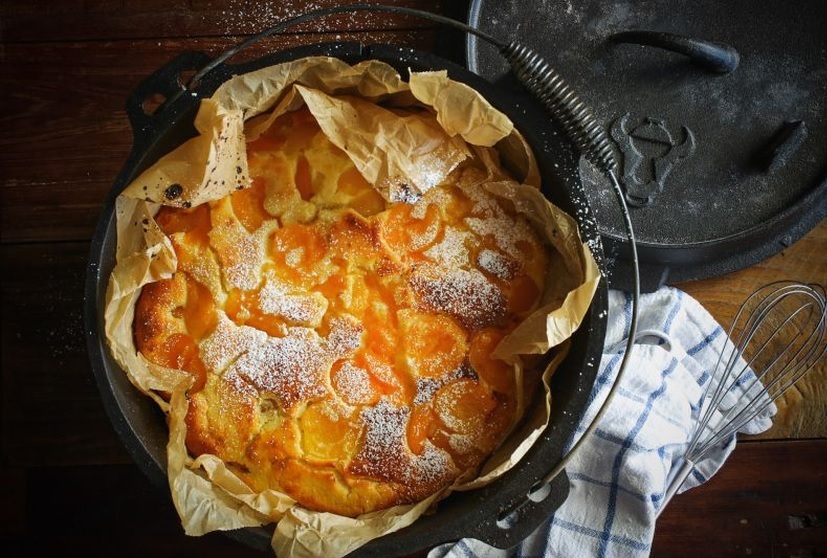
(778, 335)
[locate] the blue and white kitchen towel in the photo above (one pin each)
(618, 476)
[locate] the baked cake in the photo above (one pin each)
(339, 343)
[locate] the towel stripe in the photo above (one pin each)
(618, 461)
(580, 529)
(606, 484)
(674, 311)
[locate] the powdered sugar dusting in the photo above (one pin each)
(385, 453)
(465, 294)
(293, 258)
(485, 205)
(452, 251)
(490, 219)
(304, 309)
(436, 196)
(383, 449)
(462, 443)
(382, 370)
(353, 384)
(465, 432)
(292, 368)
(505, 231)
(244, 255)
(425, 389)
(245, 17)
(240, 385)
(345, 336)
(336, 410)
(227, 342)
(427, 237)
(433, 464)
(497, 264)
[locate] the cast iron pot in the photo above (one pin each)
(500, 514)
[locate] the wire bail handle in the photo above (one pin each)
(567, 110)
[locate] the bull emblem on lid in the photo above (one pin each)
(649, 155)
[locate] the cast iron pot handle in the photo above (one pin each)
(148, 105)
(717, 57)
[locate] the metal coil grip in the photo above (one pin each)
(567, 108)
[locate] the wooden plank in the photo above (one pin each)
(65, 77)
(769, 499)
(106, 510)
(28, 21)
(52, 412)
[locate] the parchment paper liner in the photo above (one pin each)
(388, 150)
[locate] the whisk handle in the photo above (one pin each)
(675, 482)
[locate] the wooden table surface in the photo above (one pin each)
(68, 485)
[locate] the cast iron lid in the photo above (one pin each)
(717, 111)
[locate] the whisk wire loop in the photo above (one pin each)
(778, 335)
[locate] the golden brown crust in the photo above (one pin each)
(340, 346)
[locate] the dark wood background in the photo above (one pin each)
(68, 485)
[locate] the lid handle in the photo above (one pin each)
(716, 57)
